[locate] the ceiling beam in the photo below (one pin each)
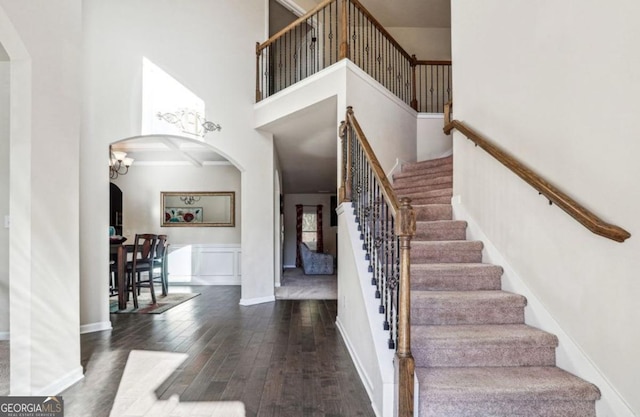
(172, 145)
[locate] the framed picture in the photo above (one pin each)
(197, 209)
(190, 215)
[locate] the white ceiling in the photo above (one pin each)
(411, 13)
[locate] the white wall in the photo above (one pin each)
(141, 205)
(431, 141)
(209, 47)
(560, 93)
(329, 233)
(43, 41)
(4, 199)
(425, 43)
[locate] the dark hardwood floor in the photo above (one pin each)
(284, 358)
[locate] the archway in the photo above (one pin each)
(198, 255)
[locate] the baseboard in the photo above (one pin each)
(254, 301)
(56, 387)
(205, 280)
(368, 386)
(95, 327)
(569, 355)
(4, 335)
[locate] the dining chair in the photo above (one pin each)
(160, 262)
(142, 261)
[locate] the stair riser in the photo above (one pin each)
(511, 355)
(420, 183)
(433, 213)
(445, 256)
(484, 408)
(431, 190)
(435, 283)
(407, 178)
(431, 200)
(450, 233)
(467, 315)
(427, 165)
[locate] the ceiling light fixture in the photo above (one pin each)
(119, 164)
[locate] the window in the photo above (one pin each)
(310, 227)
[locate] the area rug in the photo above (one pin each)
(295, 285)
(145, 306)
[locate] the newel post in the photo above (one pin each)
(344, 31)
(258, 94)
(406, 229)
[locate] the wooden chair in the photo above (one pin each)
(142, 261)
(160, 262)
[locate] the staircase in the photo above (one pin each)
(474, 355)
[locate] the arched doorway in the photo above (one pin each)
(198, 255)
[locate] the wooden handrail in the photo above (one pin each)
(405, 228)
(431, 62)
(566, 203)
(387, 190)
(293, 24)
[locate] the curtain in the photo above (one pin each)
(319, 245)
(298, 233)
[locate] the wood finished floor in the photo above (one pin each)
(281, 359)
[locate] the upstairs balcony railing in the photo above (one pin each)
(338, 29)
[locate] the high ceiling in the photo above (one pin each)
(306, 140)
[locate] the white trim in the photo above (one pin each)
(56, 387)
(259, 300)
(5, 335)
(569, 355)
(292, 7)
(206, 280)
(288, 266)
(396, 168)
(95, 327)
(431, 116)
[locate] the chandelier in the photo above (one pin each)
(119, 164)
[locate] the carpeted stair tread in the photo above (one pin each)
(426, 164)
(446, 190)
(439, 199)
(443, 251)
(485, 334)
(429, 212)
(455, 276)
(465, 384)
(441, 230)
(407, 178)
(422, 183)
(466, 307)
(482, 345)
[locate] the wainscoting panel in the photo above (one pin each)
(204, 264)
